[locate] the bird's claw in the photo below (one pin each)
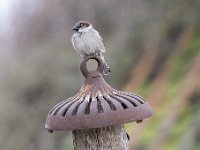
(89, 56)
(96, 54)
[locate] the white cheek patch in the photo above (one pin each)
(82, 30)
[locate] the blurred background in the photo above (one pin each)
(153, 49)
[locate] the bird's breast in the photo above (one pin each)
(87, 44)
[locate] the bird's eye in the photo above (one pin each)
(81, 24)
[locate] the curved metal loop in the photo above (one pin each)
(83, 66)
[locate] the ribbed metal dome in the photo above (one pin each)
(97, 105)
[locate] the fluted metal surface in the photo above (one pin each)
(97, 105)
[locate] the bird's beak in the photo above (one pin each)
(75, 28)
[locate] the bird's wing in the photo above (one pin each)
(99, 40)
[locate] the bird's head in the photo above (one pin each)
(82, 26)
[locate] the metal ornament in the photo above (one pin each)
(97, 105)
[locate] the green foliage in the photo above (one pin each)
(67, 143)
(144, 89)
(178, 131)
(184, 61)
(181, 65)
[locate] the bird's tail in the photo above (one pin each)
(106, 69)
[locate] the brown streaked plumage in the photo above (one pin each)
(87, 41)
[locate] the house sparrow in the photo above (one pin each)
(87, 41)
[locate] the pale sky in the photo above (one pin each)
(7, 12)
(6, 16)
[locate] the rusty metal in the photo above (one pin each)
(97, 105)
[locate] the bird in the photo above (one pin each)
(88, 42)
